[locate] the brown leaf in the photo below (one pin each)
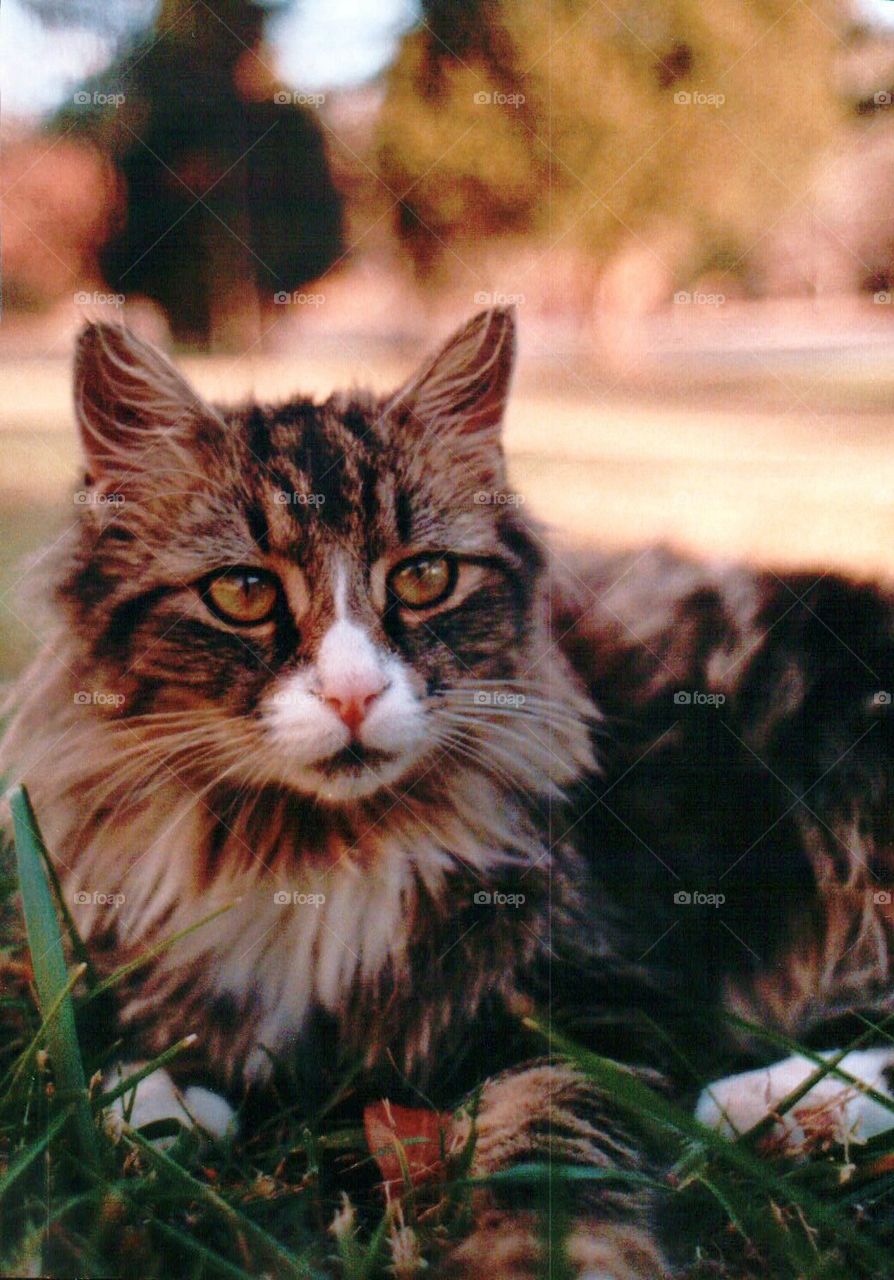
(414, 1132)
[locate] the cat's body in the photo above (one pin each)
(747, 758)
(430, 814)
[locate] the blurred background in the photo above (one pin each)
(691, 203)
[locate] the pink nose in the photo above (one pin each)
(353, 702)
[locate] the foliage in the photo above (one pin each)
(675, 127)
(224, 180)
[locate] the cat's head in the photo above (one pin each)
(331, 597)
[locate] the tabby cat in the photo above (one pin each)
(315, 661)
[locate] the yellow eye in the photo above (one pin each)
(244, 597)
(423, 581)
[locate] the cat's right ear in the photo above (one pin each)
(136, 414)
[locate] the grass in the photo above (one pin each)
(76, 1200)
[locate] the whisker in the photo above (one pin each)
(143, 761)
(528, 705)
(486, 760)
(513, 732)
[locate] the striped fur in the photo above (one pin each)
(532, 795)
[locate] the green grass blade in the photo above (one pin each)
(289, 1265)
(26, 1057)
(148, 956)
(157, 1064)
(375, 1249)
(542, 1174)
(26, 1159)
(50, 973)
(632, 1095)
(78, 945)
(824, 1067)
(216, 1263)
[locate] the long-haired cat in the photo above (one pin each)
(312, 660)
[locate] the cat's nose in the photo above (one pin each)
(352, 700)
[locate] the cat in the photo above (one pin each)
(315, 664)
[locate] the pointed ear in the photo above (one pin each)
(136, 414)
(458, 396)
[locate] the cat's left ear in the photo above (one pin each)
(458, 397)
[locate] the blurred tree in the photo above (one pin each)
(227, 190)
(658, 138)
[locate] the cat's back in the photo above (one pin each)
(642, 627)
(747, 764)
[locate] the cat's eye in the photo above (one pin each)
(423, 581)
(242, 596)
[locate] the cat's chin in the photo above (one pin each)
(338, 781)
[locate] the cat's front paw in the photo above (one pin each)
(158, 1098)
(834, 1110)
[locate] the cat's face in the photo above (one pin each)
(330, 597)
